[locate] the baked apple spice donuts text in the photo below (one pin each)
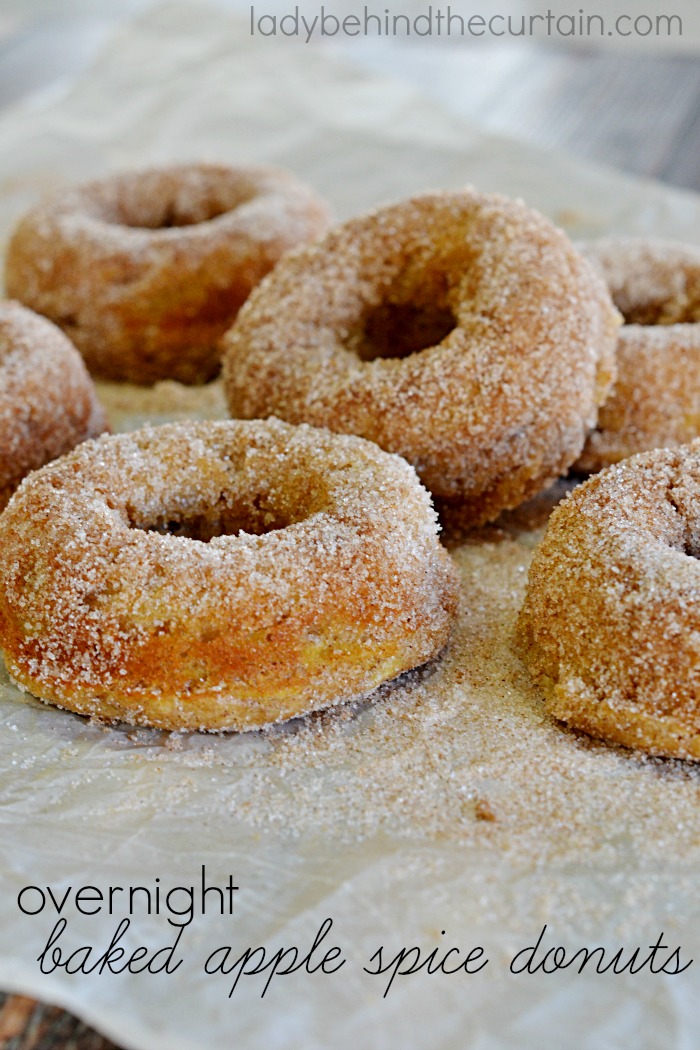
(47, 400)
(655, 401)
(145, 270)
(461, 330)
(610, 627)
(220, 575)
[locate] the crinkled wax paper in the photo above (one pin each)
(449, 803)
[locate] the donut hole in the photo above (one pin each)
(256, 516)
(690, 542)
(162, 200)
(670, 298)
(397, 330)
(178, 210)
(666, 312)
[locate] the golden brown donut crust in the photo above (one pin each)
(655, 402)
(460, 330)
(610, 627)
(113, 605)
(145, 270)
(47, 400)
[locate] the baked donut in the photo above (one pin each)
(655, 402)
(460, 330)
(610, 627)
(221, 575)
(145, 270)
(47, 400)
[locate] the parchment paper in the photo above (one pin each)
(600, 845)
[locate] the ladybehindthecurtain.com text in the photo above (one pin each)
(446, 22)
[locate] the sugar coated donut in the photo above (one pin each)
(655, 402)
(47, 400)
(220, 575)
(611, 622)
(460, 330)
(145, 270)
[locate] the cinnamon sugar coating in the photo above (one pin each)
(610, 627)
(221, 575)
(655, 402)
(47, 400)
(461, 330)
(146, 270)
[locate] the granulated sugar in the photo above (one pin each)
(462, 751)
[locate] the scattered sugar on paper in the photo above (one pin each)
(462, 751)
(456, 766)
